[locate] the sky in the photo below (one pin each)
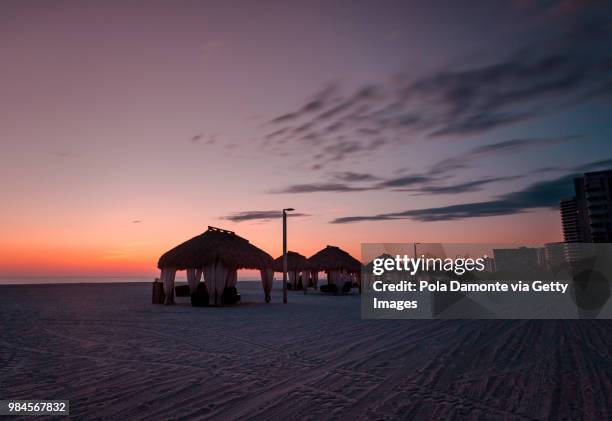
(128, 127)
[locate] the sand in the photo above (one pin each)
(114, 355)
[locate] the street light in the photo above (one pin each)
(285, 253)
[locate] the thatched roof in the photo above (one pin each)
(233, 251)
(370, 265)
(295, 261)
(334, 258)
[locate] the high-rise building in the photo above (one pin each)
(598, 201)
(574, 228)
(587, 217)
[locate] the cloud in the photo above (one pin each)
(481, 98)
(478, 123)
(351, 177)
(425, 182)
(321, 187)
(470, 186)
(312, 106)
(136, 221)
(582, 168)
(285, 117)
(463, 160)
(472, 98)
(594, 166)
(338, 150)
(319, 101)
(407, 180)
(199, 138)
(517, 144)
(260, 215)
(276, 133)
(545, 194)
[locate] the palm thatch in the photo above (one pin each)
(295, 262)
(368, 267)
(232, 250)
(334, 258)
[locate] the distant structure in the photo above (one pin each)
(541, 253)
(508, 260)
(573, 221)
(489, 264)
(554, 255)
(587, 217)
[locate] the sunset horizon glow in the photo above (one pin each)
(126, 130)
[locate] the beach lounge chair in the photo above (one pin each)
(200, 297)
(230, 295)
(329, 289)
(182, 291)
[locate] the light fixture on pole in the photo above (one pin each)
(285, 253)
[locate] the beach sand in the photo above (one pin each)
(114, 355)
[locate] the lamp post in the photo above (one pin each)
(285, 253)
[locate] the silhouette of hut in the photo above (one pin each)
(296, 263)
(217, 254)
(337, 263)
(368, 276)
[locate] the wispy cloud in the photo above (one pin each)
(318, 102)
(406, 180)
(543, 194)
(466, 187)
(351, 177)
(429, 181)
(200, 138)
(585, 167)
(260, 215)
(321, 187)
(464, 160)
(453, 102)
(594, 166)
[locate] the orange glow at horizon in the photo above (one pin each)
(122, 142)
(131, 251)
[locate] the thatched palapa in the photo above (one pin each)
(334, 258)
(217, 254)
(370, 265)
(341, 268)
(295, 262)
(231, 249)
(368, 276)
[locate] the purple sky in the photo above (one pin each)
(129, 126)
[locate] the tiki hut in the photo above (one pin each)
(370, 265)
(296, 264)
(217, 254)
(339, 266)
(368, 271)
